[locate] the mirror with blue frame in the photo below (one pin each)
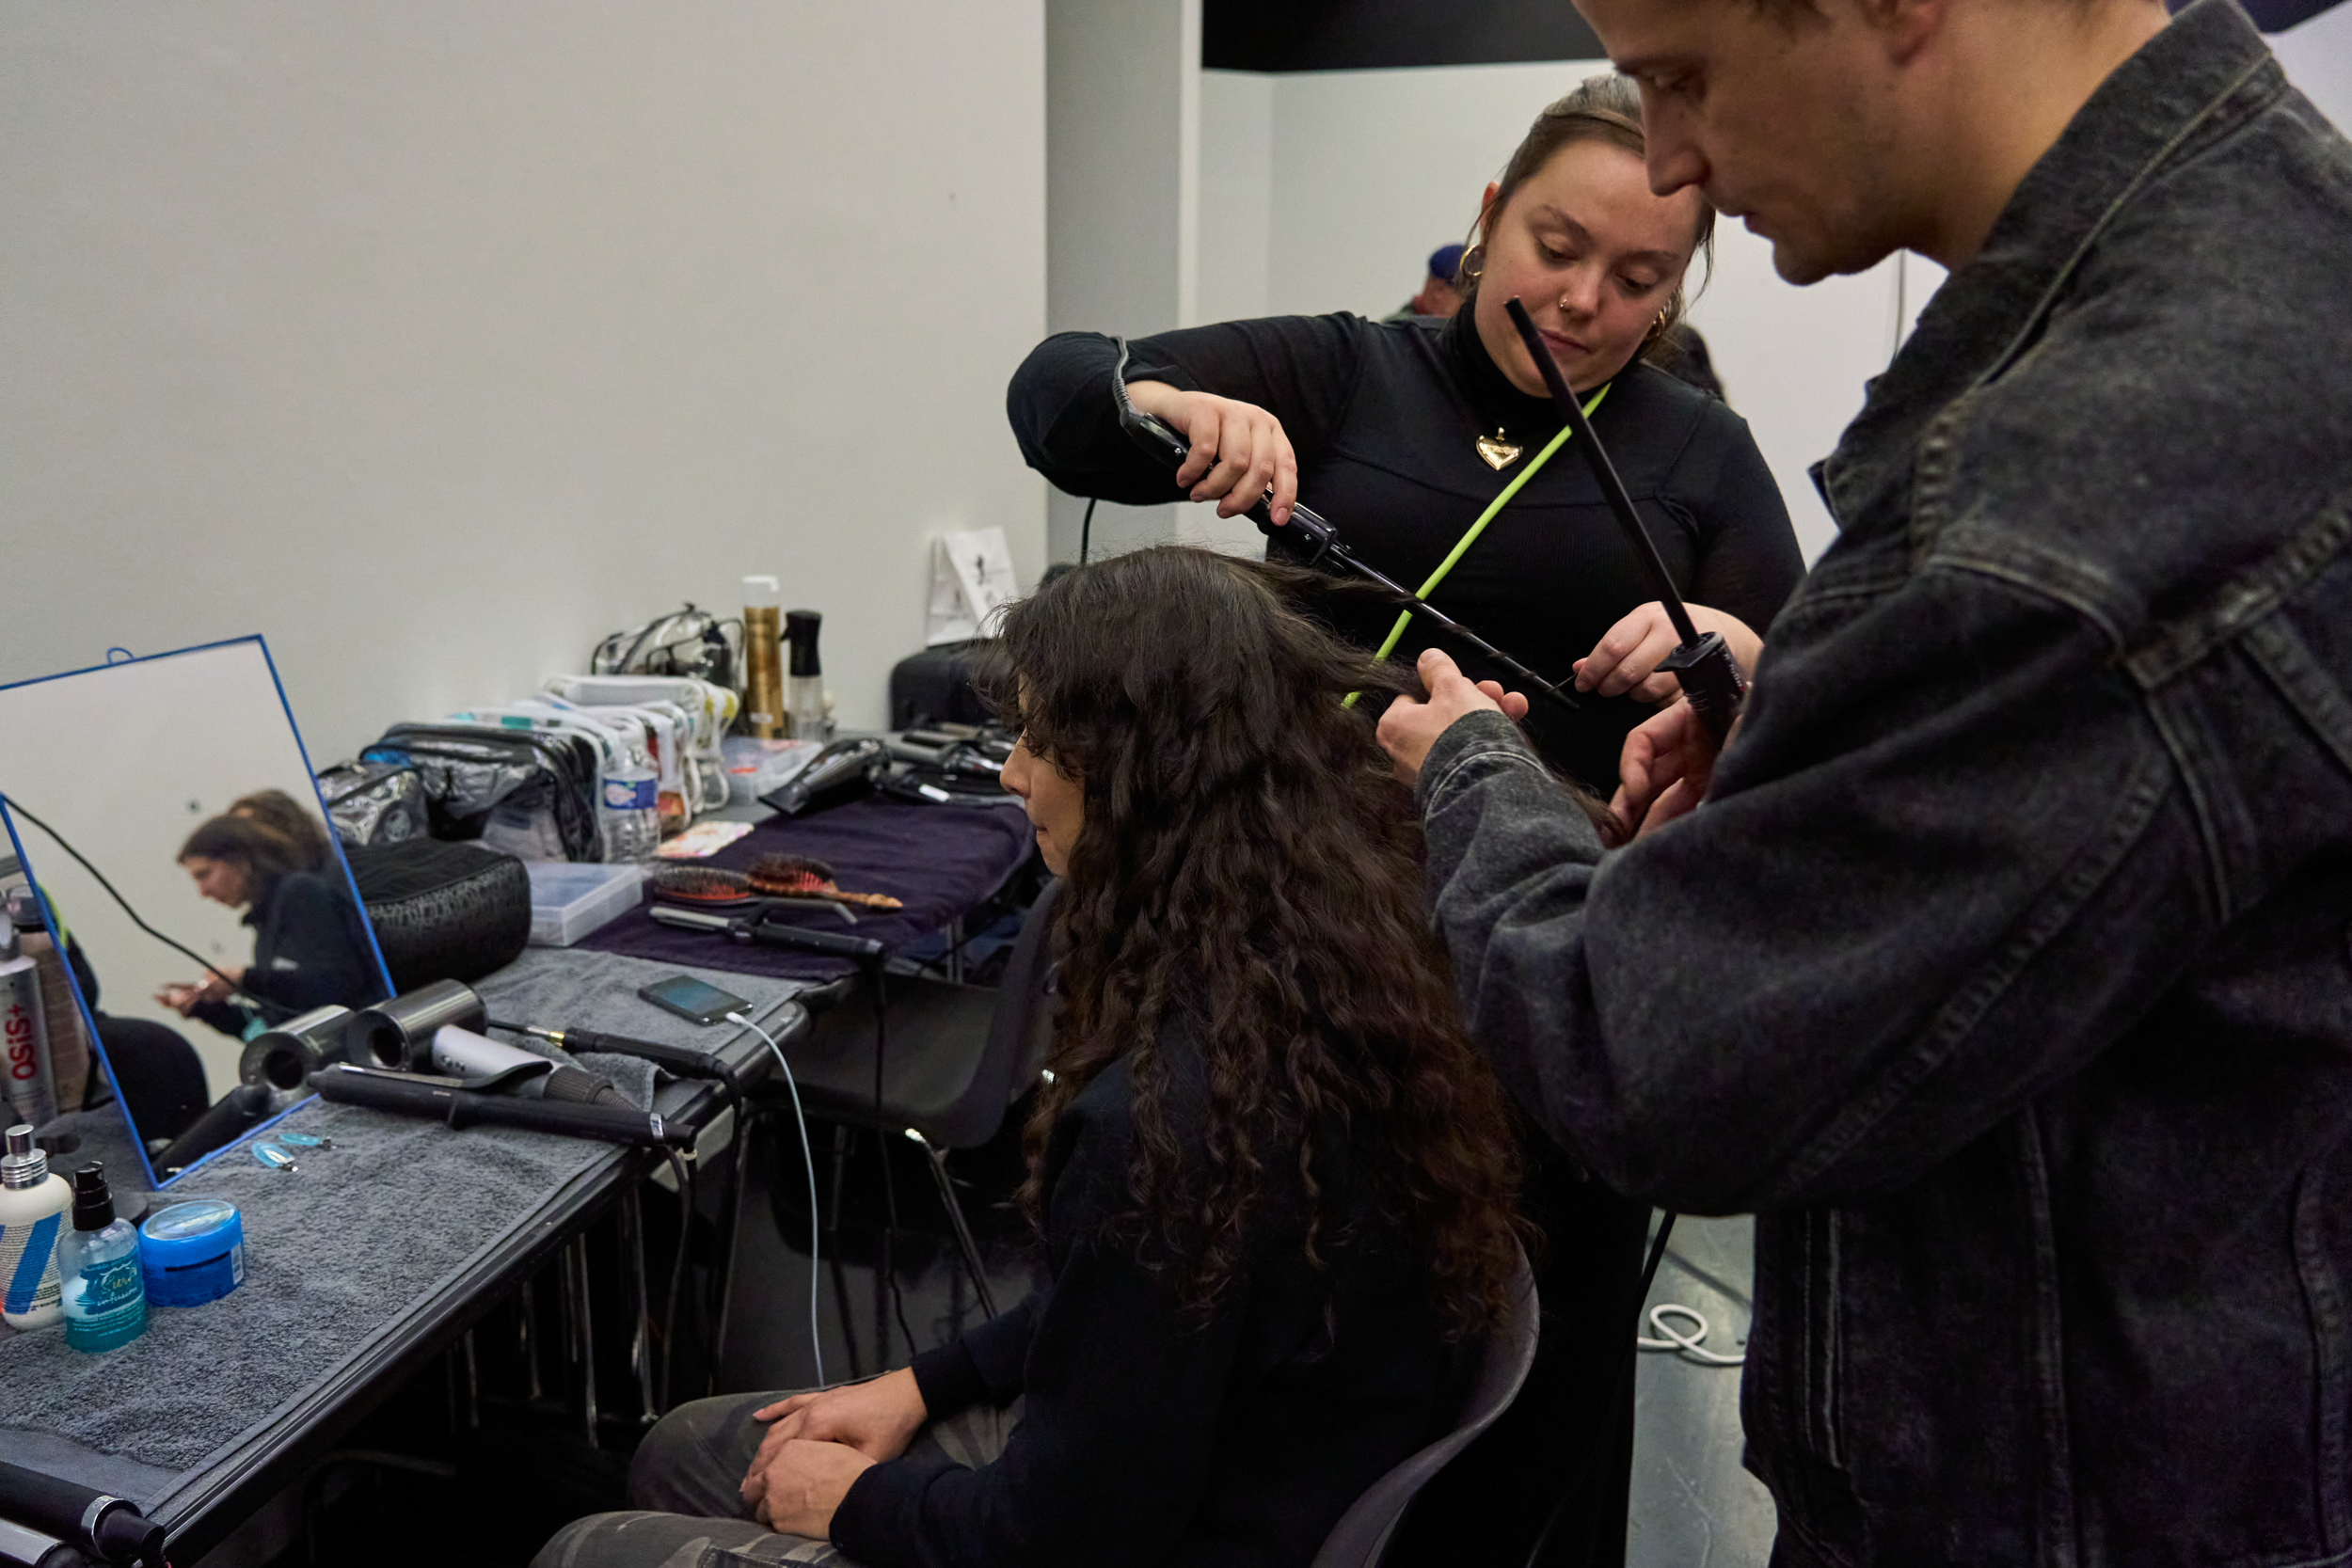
(173, 853)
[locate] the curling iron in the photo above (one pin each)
(681, 1061)
(99, 1527)
(459, 1102)
(862, 950)
(1156, 437)
(1709, 675)
(1710, 679)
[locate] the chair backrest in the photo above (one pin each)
(1030, 997)
(1021, 1012)
(1361, 1536)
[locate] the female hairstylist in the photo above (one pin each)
(1404, 433)
(310, 945)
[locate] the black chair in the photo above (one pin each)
(1360, 1538)
(953, 1057)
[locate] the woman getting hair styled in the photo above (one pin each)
(1270, 1174)
(1402, 434)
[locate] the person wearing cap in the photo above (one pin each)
(1440, 292)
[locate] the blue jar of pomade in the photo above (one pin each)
(192, 1253)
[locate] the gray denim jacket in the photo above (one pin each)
(2005, 974)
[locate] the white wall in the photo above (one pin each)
(1236, 194)
(435, 339)
(1373, 169)
(1122, 204)
(2318, 58)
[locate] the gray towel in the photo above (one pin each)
(338, 1253)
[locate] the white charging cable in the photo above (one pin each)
(1690, 1344)
(815, 1345)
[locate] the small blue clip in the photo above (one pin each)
(306, 1140)
(274, 1157)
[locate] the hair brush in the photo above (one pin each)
(699, 884)
(799, 877)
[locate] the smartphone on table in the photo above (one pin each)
(695, 1000)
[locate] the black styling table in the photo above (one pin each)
(373, 1258)
(942, 861)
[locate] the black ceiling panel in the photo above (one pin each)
(1362, 34)
(2277, 16)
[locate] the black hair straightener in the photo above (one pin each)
(1330, 554)
(1709, 675)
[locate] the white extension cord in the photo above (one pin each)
(1691, 1344)
(815, 1345)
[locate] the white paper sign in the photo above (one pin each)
(972, 578)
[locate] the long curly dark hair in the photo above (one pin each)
(1248, 864)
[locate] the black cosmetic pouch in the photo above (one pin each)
(442, 911)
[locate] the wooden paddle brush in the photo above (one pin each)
(799, 876)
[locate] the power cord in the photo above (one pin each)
(1086, 531)
(890, 1182)
(710, 1064)
(17, 806)
(1590, 1477)
(684, 1176)
(1690, 1344)
(816, 1344)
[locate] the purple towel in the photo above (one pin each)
(941, 860)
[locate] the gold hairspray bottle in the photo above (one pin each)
(763, 661)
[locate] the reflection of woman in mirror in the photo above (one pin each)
(308, 945)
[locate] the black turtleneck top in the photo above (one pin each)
(1384, 417)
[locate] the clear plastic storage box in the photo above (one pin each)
(569, 901)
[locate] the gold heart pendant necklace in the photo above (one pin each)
(1499, 453)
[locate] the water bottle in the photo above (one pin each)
(632, 816)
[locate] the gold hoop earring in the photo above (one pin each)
(1473, 263)
(1656, 335)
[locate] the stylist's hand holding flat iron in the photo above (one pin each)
(1239, 452)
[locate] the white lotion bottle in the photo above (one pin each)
(33, 1209)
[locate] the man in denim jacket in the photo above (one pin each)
(2004, 973)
